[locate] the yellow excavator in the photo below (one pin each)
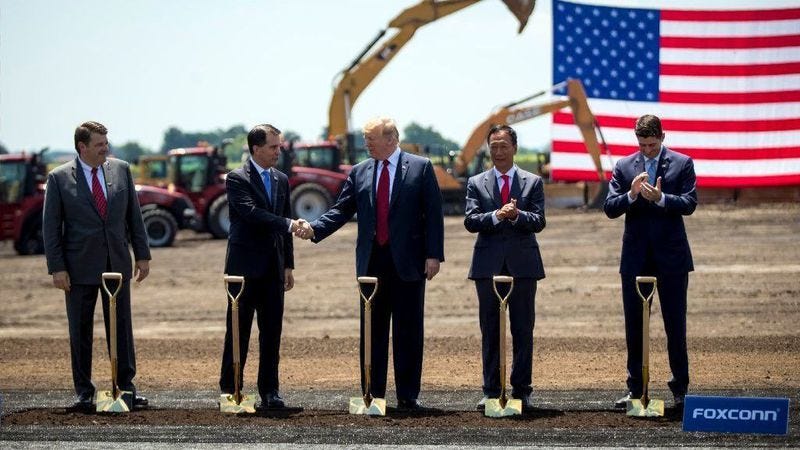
(351, 82)
(464, 164)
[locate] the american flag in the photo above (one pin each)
(724, 79)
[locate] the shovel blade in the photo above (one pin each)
(377, 407)
(654, 408)
(106, 402)
(493, 408)
(227, 404)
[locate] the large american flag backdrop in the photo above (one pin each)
(725, 82)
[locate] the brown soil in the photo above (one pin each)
(743, 312)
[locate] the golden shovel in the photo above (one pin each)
(367, 404)
(503, 406)
(237, 402)
(115, 400)
(646, 406)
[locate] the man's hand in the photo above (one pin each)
(431, 267)
(142, 270)
(304, 230)
(288, 280)
(652, 193)
(508, 211)
(636, 185)
(61, 280)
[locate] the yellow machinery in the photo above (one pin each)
(352, 81)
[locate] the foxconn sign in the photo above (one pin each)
(736, 414)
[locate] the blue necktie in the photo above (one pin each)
(267, 185)
(650, 165)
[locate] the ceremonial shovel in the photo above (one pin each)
(646, 406)
(367, 404)
(237, 402)
(503, 406)
(115, 400)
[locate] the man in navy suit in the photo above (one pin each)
(400, 241)
(260, 249)
(654, 188)
(505, 206)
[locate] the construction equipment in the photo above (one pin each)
(470, 160)
(22, 184)
(503, 406)
(354, 79)
(115, 400)
(237, 402)
(646, 406)
(367, 404)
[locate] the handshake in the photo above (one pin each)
(302, 229)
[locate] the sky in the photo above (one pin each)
(143, 66)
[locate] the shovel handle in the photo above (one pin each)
(111, 276)
(367, 280)
(502, 279)
(645, 332)
(367, 369)
(228, 279)
(237, 367)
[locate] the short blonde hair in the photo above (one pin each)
(387, 125)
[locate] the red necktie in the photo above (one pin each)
(382, 231)
(504, 191)
(97, 192)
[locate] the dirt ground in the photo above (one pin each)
(744, 310)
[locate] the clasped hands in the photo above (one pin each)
(508, 211)
(302, 229)
(641, 185)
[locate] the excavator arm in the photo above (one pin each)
(352, 81)
(512, 113)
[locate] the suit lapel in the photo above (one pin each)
(399, 178)
(518, 185)
(256, 182)
(371, 171)
(82, 185)
(491, 188)
(663, 164)
(111, 182)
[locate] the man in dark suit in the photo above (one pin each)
(505, 206)
(400, 241)
(654, 188)
(91, 213)
(260, 249)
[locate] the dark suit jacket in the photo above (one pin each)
(512, 245)
(77, 239)
(654, 234)
(259, 243)
(416, 223)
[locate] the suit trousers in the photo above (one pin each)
(522, 315)
(402, 303)
(672, 297)
(81, 300)
(262, 295)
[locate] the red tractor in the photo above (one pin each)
(197, 172)
(22, 183)
(315, 173)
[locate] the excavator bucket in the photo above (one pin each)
(522, 10)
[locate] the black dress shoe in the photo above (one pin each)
(622, 402)
(273, 401)
(84, 407)
(410, 405)
(140, 402)
(526, 401)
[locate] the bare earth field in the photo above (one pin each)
(744, 311)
